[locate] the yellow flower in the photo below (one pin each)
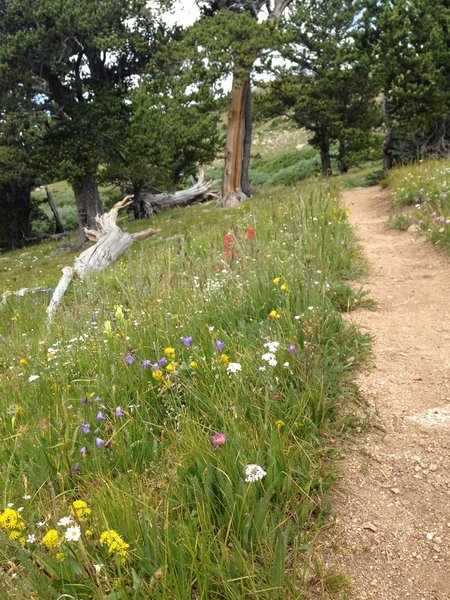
(51, 539)
(11, 519)
(80, 509)
(283, 287)
(274, 315)
(279, 424)
(88, 533)
(60, 556)
(23, 361)
(115, 544)
(193, 364)
(107, 328)
(16, 535)
(20, 411)
(224, 359)
(169, 352)
(277, 280)
(170, 367)
(119, 312)
(158, 375)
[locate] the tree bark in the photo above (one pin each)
(88, 200)
(59, 227)
(15, 208)
(232, 173)
(245, 180)
(342, 157)
(199, 192)
(325, 160)
(388, 140)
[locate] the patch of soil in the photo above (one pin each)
(393, 503)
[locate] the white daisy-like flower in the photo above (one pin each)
(234, 367)
(31, 538)
(73, 533)
(272, 346)
(64, 521)
(33, 377)
(254, 473)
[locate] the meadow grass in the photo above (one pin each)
(159, 382)
(424, 188)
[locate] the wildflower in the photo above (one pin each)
(269, 357)
(98, 567)
(274, 315)
(114, 543)
(170, 367)
(33, 377)
(158, 375)
(218, 439)
(60, 556)
(119, 412)
(129, 359)
(228, 247)
(234, 367)
(169, 352)
(11, 519)
(283, 287)
(99, 442)
(250, 233)
(51, 539)
(26, 497)
(262, 369)
(20, 411)
(254, 473)
(107, 328)
(64, 522)
(85, 428)
(17, 536)
(31, 538)
(83, 451)
(88, 533)
(163, 361)
(219, 345)
(292, 349)
(84, 401)
(272, 346)
(75, 468)
(187, 341)
(279, 424)
(100, 416)
(276, 281)
(23, 361)
(146, 363)
(193, 365)
(286, 364)
(119, 312)
(73, 533)
(80, 509)
(224, 359)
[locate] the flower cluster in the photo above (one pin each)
(254, 473)
(114, 544)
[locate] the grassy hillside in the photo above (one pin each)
(172, 435)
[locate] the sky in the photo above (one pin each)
(183, 13)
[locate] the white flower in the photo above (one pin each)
(20, 509)
(254, 473)
(269, 357)
(64, 521)
(272, 346)
(10, 505)
(73, 533)
(33, 377)
(26, 497)
(297, 317)
(262, 369)
(286, 364)
(98, 567)
(31, 538)
(234, 367)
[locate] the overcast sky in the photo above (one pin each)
(183, 13)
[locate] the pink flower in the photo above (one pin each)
(218, 439)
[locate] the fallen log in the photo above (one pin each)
(23, 292)
(199, 192)
(110, 243)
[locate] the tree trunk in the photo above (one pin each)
(324, 145)
(245, 181)
(88, 200)
(388, 140)
(342, 157)
(232, 192)
(15, 207)
(59, 227)
(199, 192)
(138, 203)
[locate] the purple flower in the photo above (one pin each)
(75, 468)
(292, 349)
(119, 412)
(99, 442)
(146, 363)
(219, 345)
(85, 428)
(84, 400)
(218, 439)
(100, 416)
(155, 367)
(83, 451)
(129, 359)
(441, 229)
(162, 361)
(187, 341)
(97, 399)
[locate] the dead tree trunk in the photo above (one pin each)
(87, 197)
(111, 242)
(199, 192)
(59, 227)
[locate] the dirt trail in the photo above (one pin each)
(393, 508)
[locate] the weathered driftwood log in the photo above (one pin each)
(199, 192)
(111, 242)
(23, 292)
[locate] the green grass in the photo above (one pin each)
(195, 528)
(424, 188)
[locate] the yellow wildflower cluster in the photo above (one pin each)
(274, 315)
(283, 286)
(51, 539)
(80, 509)
(170, 353)
(158, 375)
(224, 359)
(193, 364)
(11, 519)
(115, 544)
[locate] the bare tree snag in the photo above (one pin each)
(199, 192)
(110, 243)
(59, 227)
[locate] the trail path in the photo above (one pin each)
(393, 508)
